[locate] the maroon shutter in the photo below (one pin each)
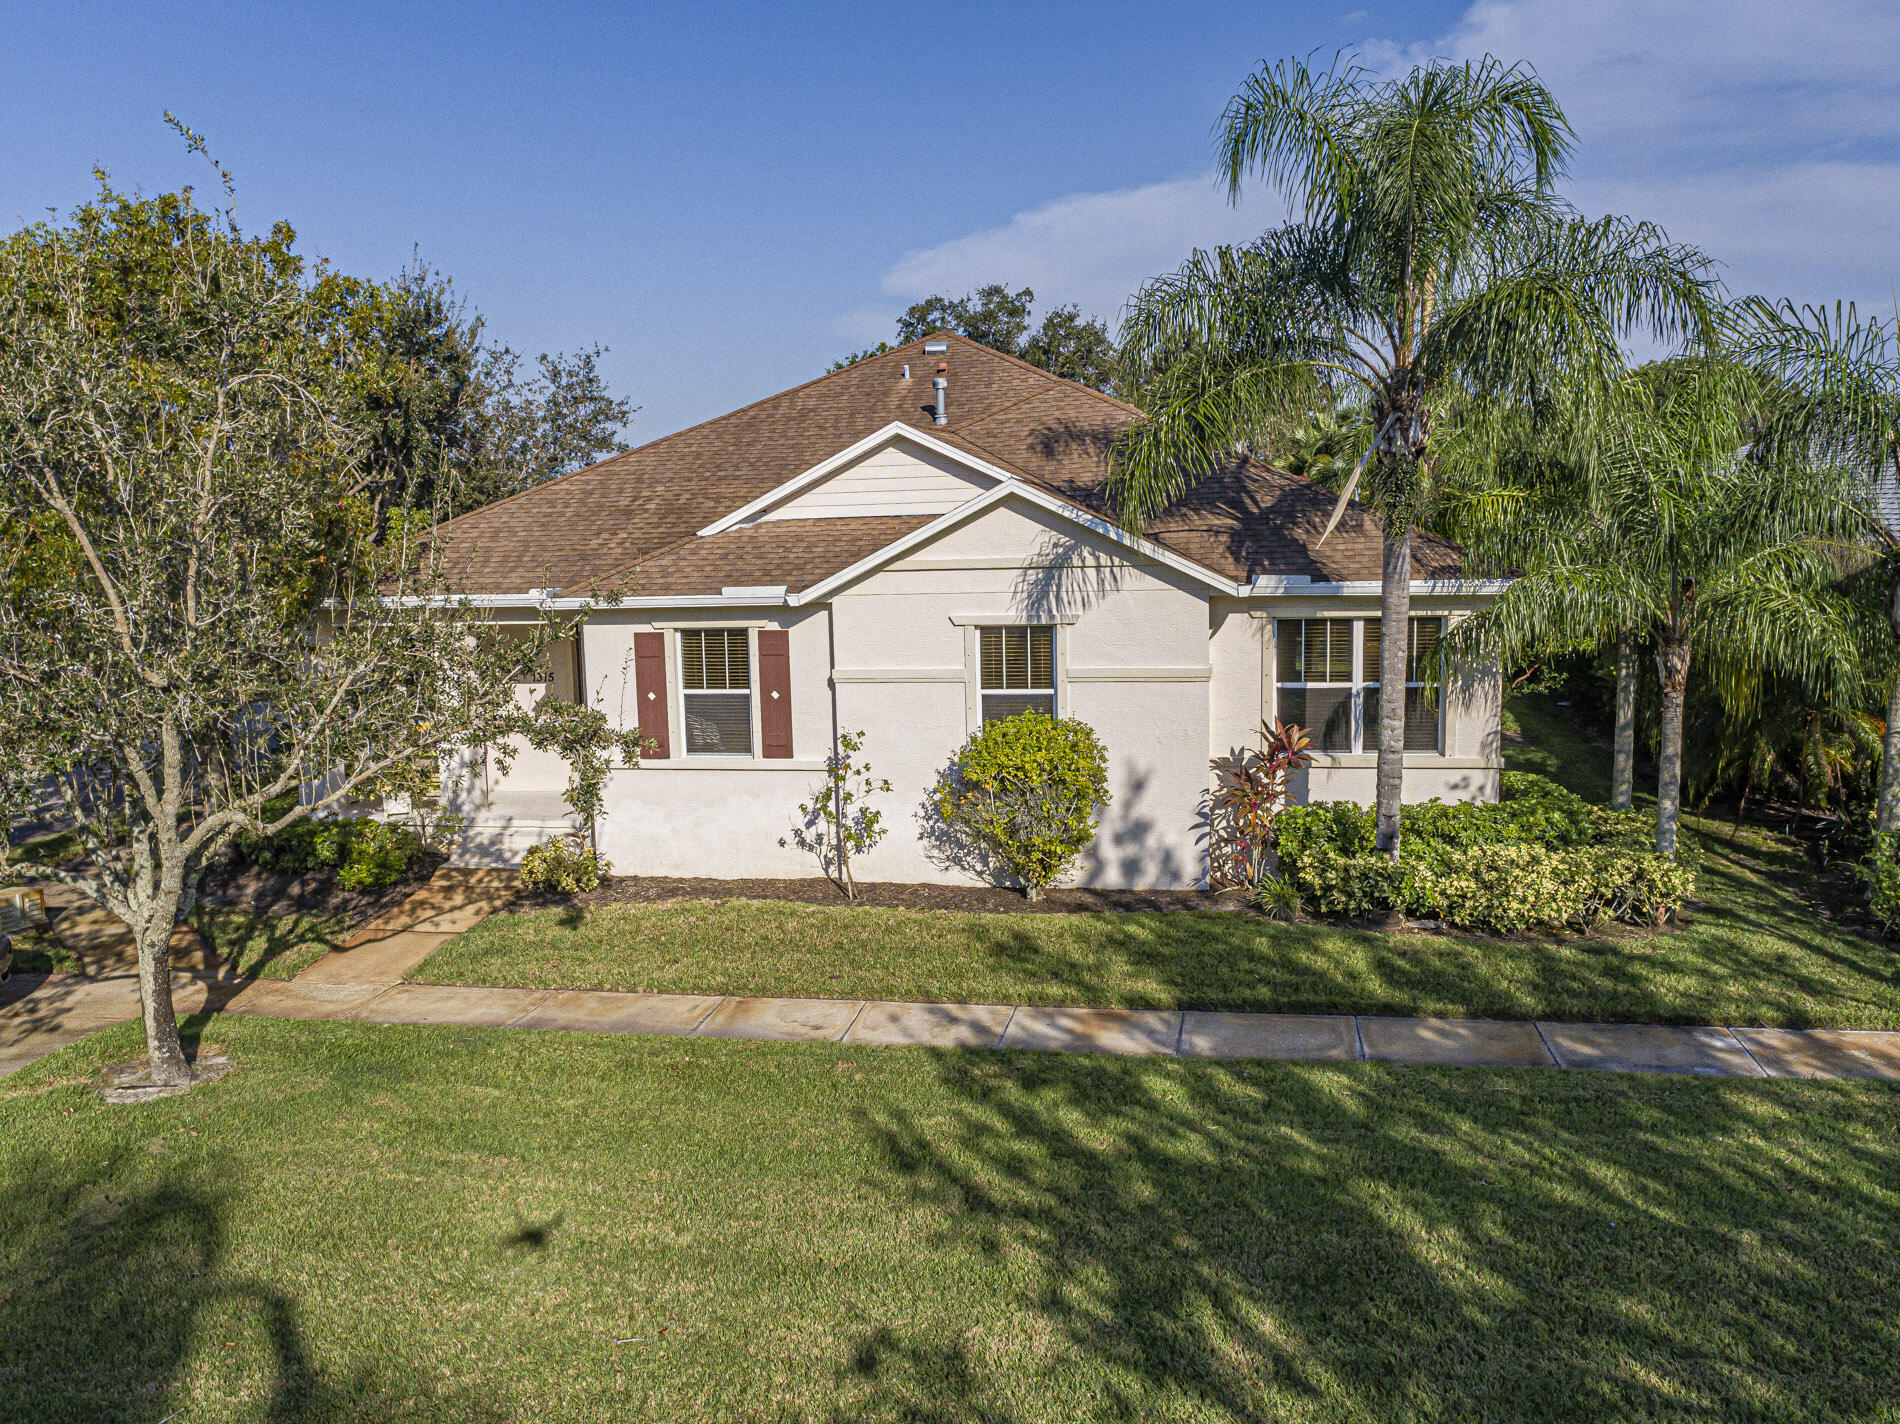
(775, 691)
(649, 684)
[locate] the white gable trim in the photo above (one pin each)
(1011, 487)
(897, 429)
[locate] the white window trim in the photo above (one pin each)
(973, 625)
(676, 691)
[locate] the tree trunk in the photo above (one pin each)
(1395, 618)
(1623, 757)
(162, 1048)
(1887, 808)
(1672, 670)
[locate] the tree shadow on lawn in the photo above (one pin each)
(1268, 1241)
(116, 1304)
(246, 944)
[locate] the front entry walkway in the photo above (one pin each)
(386, 949)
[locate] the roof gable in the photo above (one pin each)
(893, 471)
(601, 525)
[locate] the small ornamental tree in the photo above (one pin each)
(838, 822)
(1028, 791)
(582, 737)
(1250, 791)
(193, 622)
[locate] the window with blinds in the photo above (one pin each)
(1328, 682)
(1423, 724)
(716, 688)
(1315, 681)
(1018, 671)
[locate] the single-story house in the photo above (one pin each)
(911, 545)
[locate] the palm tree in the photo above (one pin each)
(1433, 273)
(1692, 534)
(1844, 375)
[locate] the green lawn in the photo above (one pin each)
(254, 945)
(1754, 955)
(388, 1223)
(276, 946)
(49, 850)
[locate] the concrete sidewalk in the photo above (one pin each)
(52, 1012)
(1639, 1048)
(365, 982)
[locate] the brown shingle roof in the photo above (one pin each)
(629, 521)
(794, 552)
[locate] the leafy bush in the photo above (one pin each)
(1276, 897)
(1881, 871)
(1542, 856)
(1250, 791)
(365, 854)
(1351, 886)
(292, 850)
(372, 854)
(1027, 789)
(563, 865)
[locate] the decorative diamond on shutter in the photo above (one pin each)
(649, 690)
(775, 687)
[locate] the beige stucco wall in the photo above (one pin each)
(1119, 618)
(1166, 675)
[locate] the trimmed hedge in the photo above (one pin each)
(1540, 857)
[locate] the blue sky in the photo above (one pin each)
(731, 196)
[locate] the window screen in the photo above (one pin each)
(1423, 725)
(1018, 671)
(716, 686)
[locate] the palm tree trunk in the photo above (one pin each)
(1623, 757)
(1887, 808)
(1395, 618)
(1672, 670)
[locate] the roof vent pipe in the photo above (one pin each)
(940, 384)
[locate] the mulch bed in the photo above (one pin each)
(315, 892)
(979, 899)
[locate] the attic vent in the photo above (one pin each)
(936, 348)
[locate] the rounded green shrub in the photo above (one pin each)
(563, 866)
(1027, 790)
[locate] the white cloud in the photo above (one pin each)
(1765, 132)
(1092, 249)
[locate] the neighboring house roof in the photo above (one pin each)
(1887, 502)
(631, 522)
